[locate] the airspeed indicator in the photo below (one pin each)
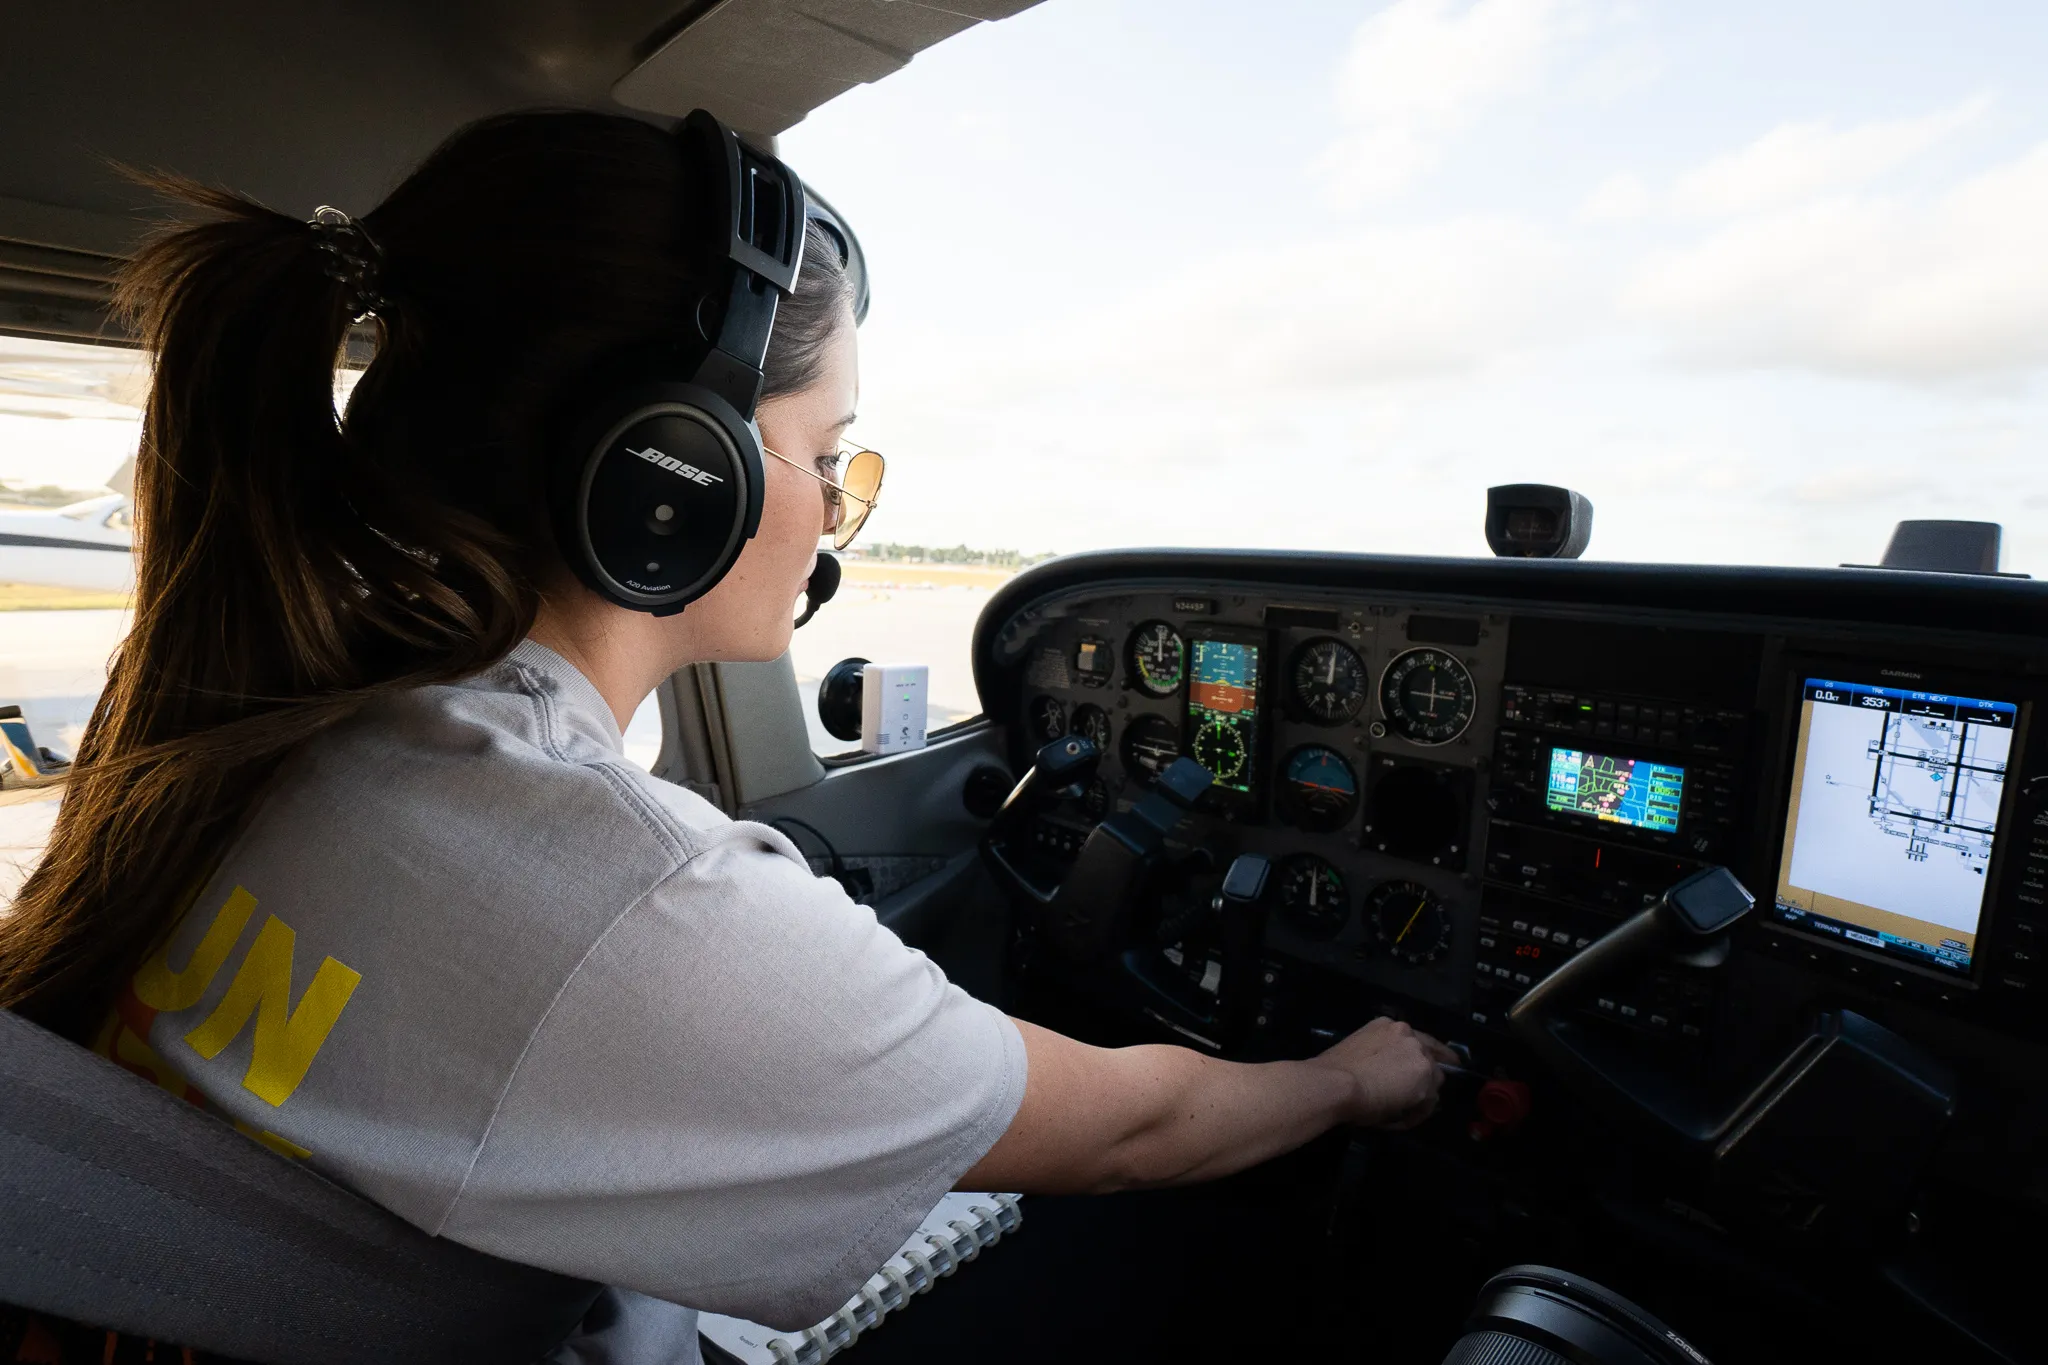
(1158, 658)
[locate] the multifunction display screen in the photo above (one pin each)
(1223, 710)
(1894, 810)
(1628, 791)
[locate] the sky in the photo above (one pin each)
(1758, 279)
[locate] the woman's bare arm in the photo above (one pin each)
(1097, 1119)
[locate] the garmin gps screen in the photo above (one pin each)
(1893, 814)
(1223, 710)
(1627, 791)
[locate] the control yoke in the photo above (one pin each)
(1691, 923)
(1847, 1119)
(1085, 910)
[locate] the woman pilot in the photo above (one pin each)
(351, 852)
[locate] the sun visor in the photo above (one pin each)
(762, 65)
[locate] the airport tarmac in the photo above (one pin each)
(53, 665)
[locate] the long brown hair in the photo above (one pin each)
(291, 565)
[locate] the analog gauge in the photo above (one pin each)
(1092, 724)
(1427, 696)
(1318, 790)
(1312, 896)
(1409, 921)
(1094, 662)
(1048, 720)
(1151, 743)
(1158, 658)
(1219, 745)
(1329, 681)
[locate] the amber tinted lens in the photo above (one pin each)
(862, 481)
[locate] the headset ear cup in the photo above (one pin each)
(657, 494)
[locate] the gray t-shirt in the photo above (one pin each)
(528, 997)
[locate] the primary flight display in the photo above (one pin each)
(1223, 710)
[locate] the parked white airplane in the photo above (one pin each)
(87, 545)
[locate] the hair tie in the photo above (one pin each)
(353, 259)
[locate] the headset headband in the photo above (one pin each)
(760, 215)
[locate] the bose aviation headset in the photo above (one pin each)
(659, 487)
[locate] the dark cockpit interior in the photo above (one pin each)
(1729, 885)
(1805, 1130)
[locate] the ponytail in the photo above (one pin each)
(293, 566)
(274, 593)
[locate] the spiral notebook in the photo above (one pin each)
(954, 1233)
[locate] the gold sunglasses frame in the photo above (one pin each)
(846, 450)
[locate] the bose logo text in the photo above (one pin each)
(675, 466)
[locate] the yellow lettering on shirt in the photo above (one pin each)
(160, 988)
(282, 1146)
(286, 1039)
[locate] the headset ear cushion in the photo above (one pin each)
(664, 498)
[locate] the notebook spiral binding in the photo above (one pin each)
(911, 1272)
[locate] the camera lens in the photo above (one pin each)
(1533, 1315)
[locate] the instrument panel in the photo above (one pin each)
(1349, 743)
(1459, 791)
(1464, 774)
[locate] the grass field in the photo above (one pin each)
(30, 597)
(888, 574)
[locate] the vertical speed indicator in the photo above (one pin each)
(1158, 658)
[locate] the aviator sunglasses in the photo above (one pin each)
(852, 495)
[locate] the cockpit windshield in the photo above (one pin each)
(1760, 280)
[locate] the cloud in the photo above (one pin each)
(1867, 286)
(1382, 305)
(1617, 199)
(1418, 72)
(1343, 314)
(1796, 161)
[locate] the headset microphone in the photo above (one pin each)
(659, 487)
(824, 585)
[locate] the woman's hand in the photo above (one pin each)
(1395, 1072)
(1100, 1119)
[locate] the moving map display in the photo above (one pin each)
(1892, 818)
(1223, 710)
(1628, 791)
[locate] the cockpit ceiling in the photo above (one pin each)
(319, 101)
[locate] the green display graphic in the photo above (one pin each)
(1628, 791)
(1223, 710)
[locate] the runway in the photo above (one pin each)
(53, 665)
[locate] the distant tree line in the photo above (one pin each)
(44, 495)
(890, 552)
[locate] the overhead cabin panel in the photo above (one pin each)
(764, 64)
(322, 102)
